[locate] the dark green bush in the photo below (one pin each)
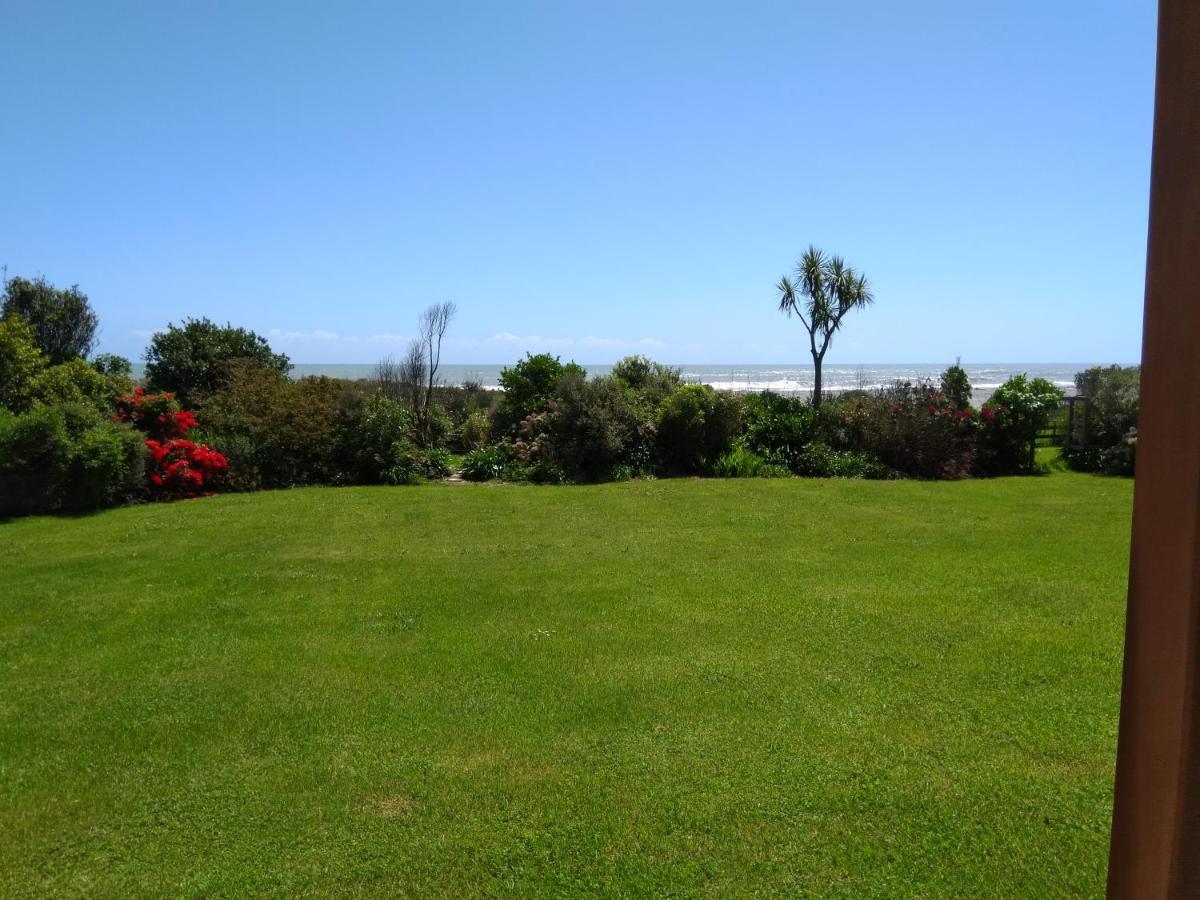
(67, 458)
(194, 359)
(818, 460)
(695, 425)
(1110, 442)
(107, 467)
(279, 433)
(648, 381)
(376, 440)
(593, 429)
(956, 387)
(35, 461)
(62, 319)
(778, 427)
(528, 386)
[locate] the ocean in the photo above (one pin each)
(783, 379)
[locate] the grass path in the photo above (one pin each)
(674, 687)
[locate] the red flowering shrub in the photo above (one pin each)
(157, 415)
(176, 467)
(181, 468)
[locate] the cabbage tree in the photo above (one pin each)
(820, 292)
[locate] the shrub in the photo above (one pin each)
(739, 462)
(284, 432)
(1010, 421)
(956, 387)
(194, 359)
(433, 464)
(377, 441)
(66, 458)
(913, 429)
(76, 382)
(593, 429)
(485, 463)
(696, 424)
(475, 430)
(20, 363)
(818, 460)
(35, 461)
(107, 467)
(61, 319)
(777, 428)
(158, 416)
(528, 386)
(1112, 414)
(180, 468)
(649, 381)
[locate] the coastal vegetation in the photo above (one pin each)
(711, 687)
(218, 412)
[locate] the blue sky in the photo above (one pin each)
(589, 178)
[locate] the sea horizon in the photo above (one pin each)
(783, 378)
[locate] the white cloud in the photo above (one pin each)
(305, 336)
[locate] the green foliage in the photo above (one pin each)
(778, 427)
(378, 440)
(594, 430)
(35, 461)
(20, 363)
(66, 458)
(275, 432)
(485, 463)
(194, 359)
(107, 467)
(1012, 417)
(112, 364)
(912, 429)
(1111, 416)
(696, 424)
(76, 381)
(741, 462)
(818, 460)
(61, 319)
(956, 387)
(820, 292)
(650, 382)
(475, 430)
(528, 386)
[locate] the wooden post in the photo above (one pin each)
(1155, 849)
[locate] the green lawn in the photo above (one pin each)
(838, 688)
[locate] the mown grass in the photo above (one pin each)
(675, 687)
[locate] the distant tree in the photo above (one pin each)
(528, 386)
(418, 371)
(63, 322)
(193, 359)
(112, 364)
(388, 378)
(956, 387)
(821, 291)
